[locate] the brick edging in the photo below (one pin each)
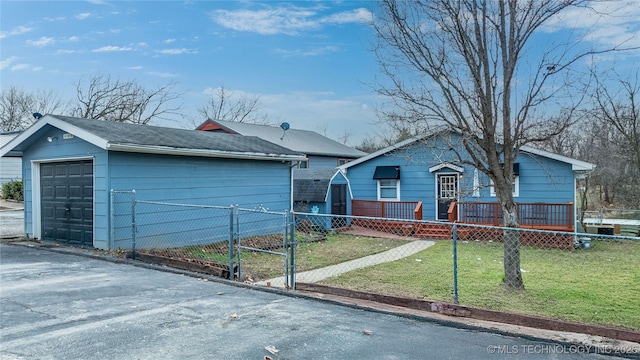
(480, 313)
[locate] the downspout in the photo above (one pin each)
(291, 167)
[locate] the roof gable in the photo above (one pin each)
(576, 165)
(152, 139)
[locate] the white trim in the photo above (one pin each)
(397, 198)
(447, 165)
(349, 192)
(36, 199)
(577, 165)
(164, 150)
(379, 152)
(476, 184)
(516, 187)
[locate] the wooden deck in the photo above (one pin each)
(540, 216)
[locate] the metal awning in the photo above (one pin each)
(386, 172)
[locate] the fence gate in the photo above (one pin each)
(250, 245)
(265, 245)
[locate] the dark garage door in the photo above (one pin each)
(66, 190)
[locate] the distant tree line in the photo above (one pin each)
(103, 97)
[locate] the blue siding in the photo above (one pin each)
(202, 181)
(541, 179)
(322, 162)
(61, 149)
(250, 184)
(179, 179)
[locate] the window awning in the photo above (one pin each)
(386, 172)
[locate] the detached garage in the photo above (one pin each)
(69, 166)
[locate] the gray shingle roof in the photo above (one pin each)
(153, 139)
(311, 184)
(124, 134)
(304, 141)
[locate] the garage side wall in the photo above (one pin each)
(60, 149)
(202, 181)
(161, 181)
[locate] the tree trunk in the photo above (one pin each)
(512, 272)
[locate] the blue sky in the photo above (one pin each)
(309, 61)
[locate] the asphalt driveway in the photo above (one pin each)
(61, 306)
(11, 219)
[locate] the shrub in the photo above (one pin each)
(13, 190)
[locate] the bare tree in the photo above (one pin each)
(102, 98)
(226, 106)
(615, 126)
(621, 110)
(454, 63)
(17, 107)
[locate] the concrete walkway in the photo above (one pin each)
(313, 276)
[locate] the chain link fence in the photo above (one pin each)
(585, 277)
(248, 245)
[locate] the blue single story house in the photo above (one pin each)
(70, 165)
(423, 178)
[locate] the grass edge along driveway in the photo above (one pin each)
(600, 285)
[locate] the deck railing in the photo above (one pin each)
(409, 210)
(546, 216)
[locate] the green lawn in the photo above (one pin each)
(335, 249)
(600, 285)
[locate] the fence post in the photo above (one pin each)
(112, 219)
(236, 239)
(454, 232)
(231, 237)
(133, 224)
(292, 250)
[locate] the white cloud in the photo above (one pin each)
(73, 39)
(266, 22)
(169, 41)
(138, 67)
(283, 20)
(112, 49)
(309, 52)
(50, 19)
(65, 51)
(6, 62)
(162, 74)
(177, 51)
(43, 41)
(15, 31)
(606, 23)
(83, 16)
(360, 15)
(323, 112)
(17, 67)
